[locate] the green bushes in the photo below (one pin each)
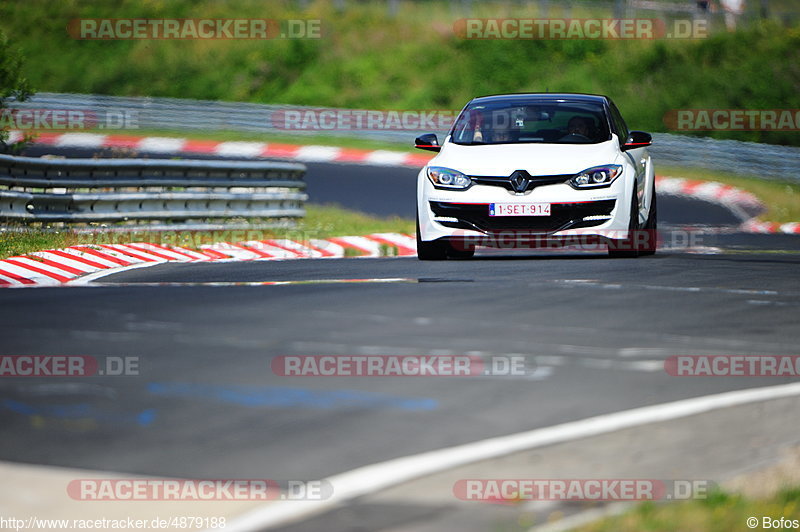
(368, 60)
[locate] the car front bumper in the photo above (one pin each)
(592, 215)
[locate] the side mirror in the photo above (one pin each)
(428, 142)
(637, 139)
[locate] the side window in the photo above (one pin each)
(619, 124)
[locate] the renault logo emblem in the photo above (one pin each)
(520, 180)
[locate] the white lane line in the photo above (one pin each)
(369, 479)
(713, 289)
(763, 302)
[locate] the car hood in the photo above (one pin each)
(536, 159)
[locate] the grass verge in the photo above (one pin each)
(321, 221)
(288, 138)
(720, 512)
(14, 243)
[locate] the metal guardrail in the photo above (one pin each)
(747, 158)
(165, 113)
(136, 190)
(766, 161)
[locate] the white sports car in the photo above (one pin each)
(537, 170)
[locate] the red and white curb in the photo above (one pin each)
(83, 263)
(755, 226)
(742, 203)
(711, 191)
(176, 146)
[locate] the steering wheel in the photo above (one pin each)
(574, 136)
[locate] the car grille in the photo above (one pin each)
(562, 216)
(532, 181)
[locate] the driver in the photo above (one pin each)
(578, 125)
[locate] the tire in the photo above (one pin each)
(465, 252)
(435, 250)
(651, 226)
(626, 248)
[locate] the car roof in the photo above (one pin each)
(544, 97)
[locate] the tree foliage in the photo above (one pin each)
(13, 84)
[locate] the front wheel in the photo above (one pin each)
(651, 228)
(641, 241)
(460, 251)
(627, 248)
(434, 250)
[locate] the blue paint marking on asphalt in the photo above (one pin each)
(146, 417)
(80, 411)
(284, 397)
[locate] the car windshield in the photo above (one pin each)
(524, 121)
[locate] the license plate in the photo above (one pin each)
(519, 209)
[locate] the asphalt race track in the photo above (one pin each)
(207, 404)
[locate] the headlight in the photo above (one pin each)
(597, 176)
(447, 178)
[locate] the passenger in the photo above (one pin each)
(500, 135)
